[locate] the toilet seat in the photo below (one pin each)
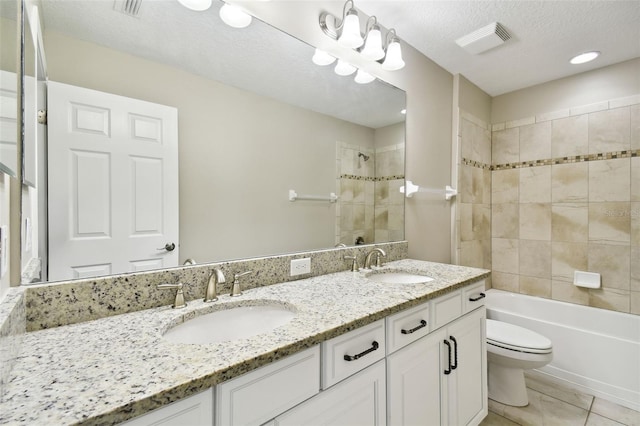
(515, 338)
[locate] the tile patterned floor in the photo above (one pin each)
(551, 404)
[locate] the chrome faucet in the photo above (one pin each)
(179, 300)
(354, 263)
(216, 277)
(235, 289)
(378, 252)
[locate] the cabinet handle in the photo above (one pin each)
(475, 299)
(423, 324)
(448, 370)
(374, 346)
(455, 352)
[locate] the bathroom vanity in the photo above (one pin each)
(357, 351)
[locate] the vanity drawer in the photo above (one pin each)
(345, 355)
(473, 296)
(260, 395)
(407, 326)
(445, 309)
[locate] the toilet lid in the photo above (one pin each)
(514, 337)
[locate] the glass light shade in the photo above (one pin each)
(235, 17)
(197, 5)
(350, 36)
(373, 45)
(363, 77)
(344, 68)
(393, 61)
(320, 57)
(584, 58)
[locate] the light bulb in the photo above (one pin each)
(393, 61)
(363, 77)
(320, 57)
(584, 57)
(197, 5)
(235, 17)
(350, 36)
(373, 45)
(344, 68)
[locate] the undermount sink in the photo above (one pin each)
(398, 277)
(239, 322)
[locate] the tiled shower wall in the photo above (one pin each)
(473, 213)
(370, 204)
(566, 196)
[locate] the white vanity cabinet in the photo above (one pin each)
(441, 378)
(196, 410)
(422, 366)
(359, 400)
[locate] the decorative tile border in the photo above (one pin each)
(372, 179)
(568, 160)
(477, 164)
(552, 161)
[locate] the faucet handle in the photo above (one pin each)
(235, 289)
(354, 263)
(179, 300)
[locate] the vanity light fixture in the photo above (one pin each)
(347, 33)
(322, 58)
(344, 68)
(373, 41)
(197, 5)
(233, 16)
(584, 57)
(393, 60)
(363, 77)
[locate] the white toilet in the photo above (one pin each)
(511, 349)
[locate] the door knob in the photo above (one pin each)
(168, 247)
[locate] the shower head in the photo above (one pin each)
(365, 157)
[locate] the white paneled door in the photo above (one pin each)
(113, 183)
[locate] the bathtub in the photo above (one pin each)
(595, 351)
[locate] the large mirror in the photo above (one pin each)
(8, 88)
(255, 119)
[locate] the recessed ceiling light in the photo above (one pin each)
(584, 57)
(403, 111)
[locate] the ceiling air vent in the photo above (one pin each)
(485, 38)
(128, 7)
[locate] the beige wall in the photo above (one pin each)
(237, 158)
(428, 127)
(615, 81)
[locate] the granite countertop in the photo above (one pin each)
(113, 369)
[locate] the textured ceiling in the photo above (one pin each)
(544, 36)
(258, 58)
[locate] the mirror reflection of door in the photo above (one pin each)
(113, 183)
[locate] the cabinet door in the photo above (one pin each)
(358, 400)
(413, 382)
(196, 410)
(468, 382)
(260, 395)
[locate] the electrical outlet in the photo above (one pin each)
(300, 266)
